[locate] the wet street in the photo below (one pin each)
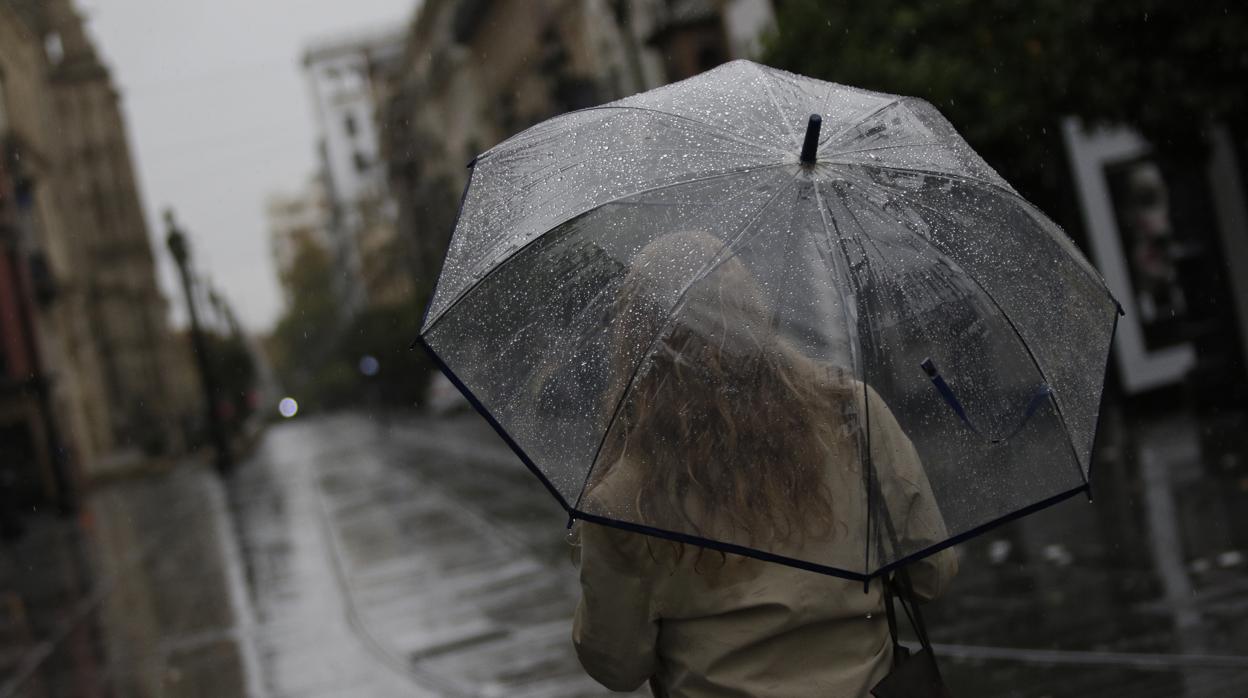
(348, 559)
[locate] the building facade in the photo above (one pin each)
(99, 325)
(126, 312)
(343, 76)
(47, 429)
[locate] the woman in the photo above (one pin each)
(729, 434)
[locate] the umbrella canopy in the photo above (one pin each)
(703, 314)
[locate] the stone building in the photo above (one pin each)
(126, 312)
(100, 323)
(47, 428)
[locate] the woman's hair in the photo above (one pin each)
(726, 429)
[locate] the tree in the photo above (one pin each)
(306, 337)
(317, 355)
(1004, 73)
(386, 333)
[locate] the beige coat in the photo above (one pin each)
(721, 626)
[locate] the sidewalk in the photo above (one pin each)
(128, 598)
(377, 535)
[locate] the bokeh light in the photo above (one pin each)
(288, 407)
(369, 365)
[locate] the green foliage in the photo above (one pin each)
(309, 321)
(386, 333)
(317, 354)
(1004, 73)
(304, 337)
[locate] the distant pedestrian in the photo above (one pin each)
(11, 527)
(731, 435)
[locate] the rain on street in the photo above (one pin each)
(416, 556)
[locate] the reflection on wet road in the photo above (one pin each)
(1143, 593)
(380, 543)
(131, 599)
(338, 561)
(344, 560)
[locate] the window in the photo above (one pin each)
(53, 48)
(361, 162)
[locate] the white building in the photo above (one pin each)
(344, 77)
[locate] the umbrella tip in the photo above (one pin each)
(929, 367)
(812, 139)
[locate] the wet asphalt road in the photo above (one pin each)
(339, 560)
(344, 559)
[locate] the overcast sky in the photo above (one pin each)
(219, 117)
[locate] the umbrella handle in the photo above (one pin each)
(811, 145)
(1042, 393)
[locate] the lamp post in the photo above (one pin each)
(176, 241)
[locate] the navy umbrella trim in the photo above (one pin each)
(721, 546)
(463, 197)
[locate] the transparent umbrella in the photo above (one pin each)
(751, 310)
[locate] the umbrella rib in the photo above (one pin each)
(858, 122)
(964, 178)
(1003, 189)
(991, 299)
(521, 185)
(562, 349)
(702, 273)
(729, 135)
(495, 266)
(945, 261)
(1014, 328)
(880, 254)
(979, 530)
(523, 188)
(830, 230)
(886, 147)
(771, 96)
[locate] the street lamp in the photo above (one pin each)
(178, 247)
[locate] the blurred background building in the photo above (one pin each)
(344, 75)
(89, 362)
(127, 315)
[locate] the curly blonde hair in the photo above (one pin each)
(726, 429)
